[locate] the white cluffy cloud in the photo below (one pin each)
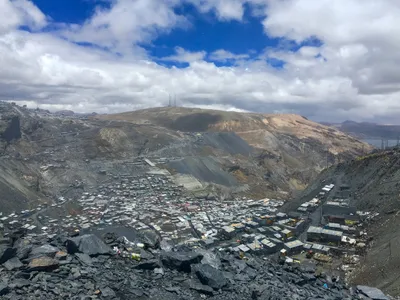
(20, 12)
(353, 75)
(185, 56)
(222, 55)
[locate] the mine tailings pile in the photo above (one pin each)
(89, 267)
(374, 182)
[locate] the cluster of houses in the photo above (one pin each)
(241, 225)
(338, 230)
(154, 201)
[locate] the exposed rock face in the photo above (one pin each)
(24, 248)
(4, 289)
(88, 244)
(150, 239)
(374, 180)
(13, 264)
(276, 153)
(11, 129)
(148, 265)
(6, 253)
(77, 276)
(210, 276)
(43, 263)
(46, 250)
(292, 149)
(180, 261)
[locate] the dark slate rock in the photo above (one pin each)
(84, 259)
(251, 273)
(5, 241)
(145, 254)
(148, 265)
(59, 240)
(136, 292)
(150, 238)
(88, 244)
(242, 277)
(180, 261)
(20, 283)
(309, 277)
(24, 248)
(205, 289)
(173, 289)
(21, 274)
(253, 264)
(110, 237)
(210, 276)
(4, 289)
(6, 253)
(107, 292)
(43, 263)
(308, 268)
(44, 250)
(179, 279)
(238, 265)
(373, 293)
(210, 258)
(13, 264)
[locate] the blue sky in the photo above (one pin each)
(327, 60)
(204, 33)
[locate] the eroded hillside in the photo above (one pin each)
(291, 149)
(374, 180)
(44, 156)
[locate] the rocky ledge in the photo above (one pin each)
(112, 267)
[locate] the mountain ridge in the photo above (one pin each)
(48, 156)
(367, 130)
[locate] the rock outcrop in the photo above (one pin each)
(10, 128)
(121, 276)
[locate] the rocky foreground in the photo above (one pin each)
(88, 267)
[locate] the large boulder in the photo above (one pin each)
(43, 263)
(204, 289)
(150, 238)
(88, 244)
(180, 261)
(13, 264)
(165, 245)
(24, 248)
(4, 289)
(44, 250)
(6, 253)
(371, 292)
(84, 259)
(148, 265)
(210, 258)
(10, 128)
(210, 276)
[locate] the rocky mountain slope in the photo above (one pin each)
(367, 130)
(291, 149)
(86, 267)
(44, 156)
(375, 187)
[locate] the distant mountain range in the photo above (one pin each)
(366, 130)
